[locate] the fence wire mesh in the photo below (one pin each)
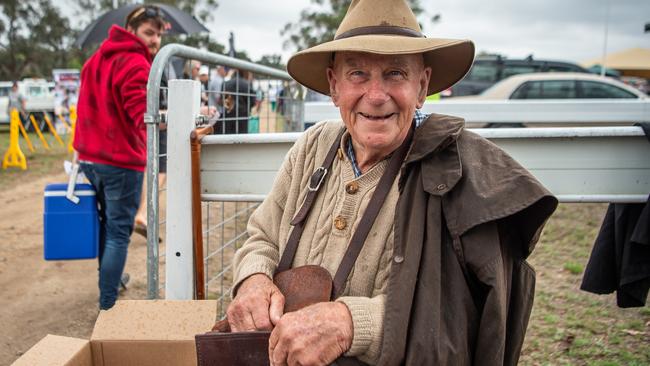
(224, 232)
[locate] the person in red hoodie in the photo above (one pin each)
(110, 135)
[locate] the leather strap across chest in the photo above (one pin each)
(365, 224)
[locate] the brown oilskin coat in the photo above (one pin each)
(460, 291)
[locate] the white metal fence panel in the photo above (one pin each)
(242, 165)
(594, 111)
(583, 164)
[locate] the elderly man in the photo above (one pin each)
(440, 275)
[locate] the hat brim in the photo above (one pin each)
(449, 59)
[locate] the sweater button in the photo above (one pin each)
(352, 187)
(398, 259)
(340, 223)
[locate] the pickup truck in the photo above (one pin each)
(38, 93)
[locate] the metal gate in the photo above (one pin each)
(252, 98)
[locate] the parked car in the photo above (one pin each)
(488, 70)
(559, 85)
(555, 85)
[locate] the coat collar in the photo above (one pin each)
(435, 133)
(435, 140)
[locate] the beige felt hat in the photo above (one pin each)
(386, 27)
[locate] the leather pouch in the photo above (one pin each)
(239, 348)
(301, 287)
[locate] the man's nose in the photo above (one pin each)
(377, 93)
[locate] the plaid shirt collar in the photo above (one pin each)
(418, 118)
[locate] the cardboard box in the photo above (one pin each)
(133, 332)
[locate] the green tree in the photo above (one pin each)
(319, 25)
(30, 46)
(274, 60)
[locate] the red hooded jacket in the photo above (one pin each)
(110, 125)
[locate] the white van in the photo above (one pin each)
(38, 93)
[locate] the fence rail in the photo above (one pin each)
(580, 164)
(594, 111)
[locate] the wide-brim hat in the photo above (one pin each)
(386, 27)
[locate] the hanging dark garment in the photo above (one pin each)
(620, 260)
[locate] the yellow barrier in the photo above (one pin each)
(14, 156)
(65, 123)
(52, 129)
(73, 123)
(24, 133)
(38, 132)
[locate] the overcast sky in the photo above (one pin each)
(571, 30)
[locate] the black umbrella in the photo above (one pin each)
(97, 31)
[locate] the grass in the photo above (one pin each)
(573, 267)
(39, 163)
(569, 326)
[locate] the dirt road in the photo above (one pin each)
(41, 297)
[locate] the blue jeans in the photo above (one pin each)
(118, 195)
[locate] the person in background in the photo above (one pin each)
(237, 100)
(16, 101)
(191, 69)
(283, 96)
(110, 135)
(216, 85)
(204, 76)
(273, 97)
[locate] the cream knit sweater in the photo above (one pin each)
(328, 230)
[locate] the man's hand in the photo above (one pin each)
(315, 335)
(257, 306)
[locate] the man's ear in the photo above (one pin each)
(331, 78)
(130, 29)
(424, 86)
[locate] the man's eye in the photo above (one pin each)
(395, 73)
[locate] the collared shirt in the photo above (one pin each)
(418, 118)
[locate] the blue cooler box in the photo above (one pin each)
(71, 231)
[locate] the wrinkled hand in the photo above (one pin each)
(257, 306)
(315, 335)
